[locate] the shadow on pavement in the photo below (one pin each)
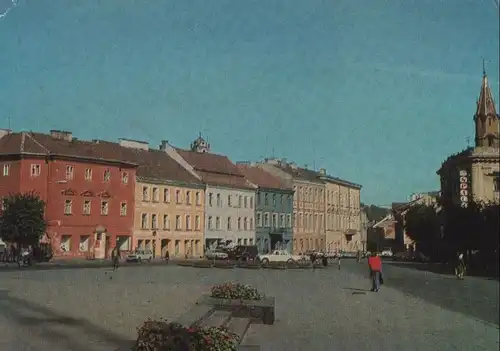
(45, 326)
(440, 268)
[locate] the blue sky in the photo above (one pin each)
(377, 92)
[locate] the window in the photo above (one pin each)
(274, 224)
(219, 201)
(188, 222)
(266, 220)
(259, 219)
(197, 223)
(198, 198)
(6, 169)
(228, 223)
(245, 202)
(239, 200)
(154, 221)
(258, 199)
(145, 193)
(144, 221)
(65, 243)
(123, 209)
(125, 178)
(229, 200)
(166, 195)
(282, 221)
(188, 197)
(107, 175)
(86, 207)
(88, 174)
(68, 204)
(210, 199)
(266, 200)
(239, 223)
(274, 199)
(104, 208)
(496, 184)
(35, 170)
(251, 224)
(245, 223)
(166, 222)
(295, 193)
(289, 220)
(282, 197)
(178, 222)
(209, 224)
(156, 194)
(84, 242)
(178, 198)
(251, 201)
(217, 223)
(295, 219)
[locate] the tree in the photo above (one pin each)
(422, 225)
(22, 220)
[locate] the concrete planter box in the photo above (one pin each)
(257, 310)
(249, 265)
(224, 265)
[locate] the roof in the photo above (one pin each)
(29, 143)
(485, 103)
(300, 173)
(215, 169)
(261, 178)
(151, 164)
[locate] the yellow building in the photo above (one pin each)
(342, 214)
(169, 204)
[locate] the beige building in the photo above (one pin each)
(169, 204)
(308, 204)
(474, 173)
(342, 214)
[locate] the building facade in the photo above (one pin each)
(88, 189)
(169, 204)
(474, 173)
(308, 203)
(342, 214)
(273, 209)
(229, 197)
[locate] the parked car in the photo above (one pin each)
(243, 253)
(216, 254)
(280, 256)
(140, 255)
(386, 252)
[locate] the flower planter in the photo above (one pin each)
(258, 310)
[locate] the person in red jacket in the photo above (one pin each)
(375, 265)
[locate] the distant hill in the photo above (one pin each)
(375, 213)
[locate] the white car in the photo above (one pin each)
(216, 254)
(140, 255)
(386, 252)
(280, 256)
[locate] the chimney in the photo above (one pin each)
(134, 144)
(163, 145)
(322, 171)
(4, 132)
(61, 135)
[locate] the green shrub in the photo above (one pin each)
(235, 291)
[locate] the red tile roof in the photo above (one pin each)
(261, 178)
(215, 169)
(152, 164)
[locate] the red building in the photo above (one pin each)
(88, 188)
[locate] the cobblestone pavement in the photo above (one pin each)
(330, 310)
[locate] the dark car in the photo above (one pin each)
(243, 253)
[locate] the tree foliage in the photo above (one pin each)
(422, 225)
(22, 220)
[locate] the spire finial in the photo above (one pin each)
(199, 134)
(484, 68)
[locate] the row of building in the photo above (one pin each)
(472, 174)
(102, 194)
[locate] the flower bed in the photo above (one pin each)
(163, 335)
(235, 291)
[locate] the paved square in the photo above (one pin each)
(84, 309)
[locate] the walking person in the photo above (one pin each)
(338, 260)
(115, 256)
(167, 256)
(375, 266)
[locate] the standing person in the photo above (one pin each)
(339, 255)
(115, 256)
(375, 265)
(167, 256)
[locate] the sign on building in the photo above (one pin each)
(464, 188)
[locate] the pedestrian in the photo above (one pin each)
(115, 256)
(375, 266)
(167, 256)
(338, 260)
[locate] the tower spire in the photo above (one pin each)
(486, 118)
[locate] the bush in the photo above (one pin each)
(162, 335)
(235, 291)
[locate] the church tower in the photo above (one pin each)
(486, 119)
(200, 145)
